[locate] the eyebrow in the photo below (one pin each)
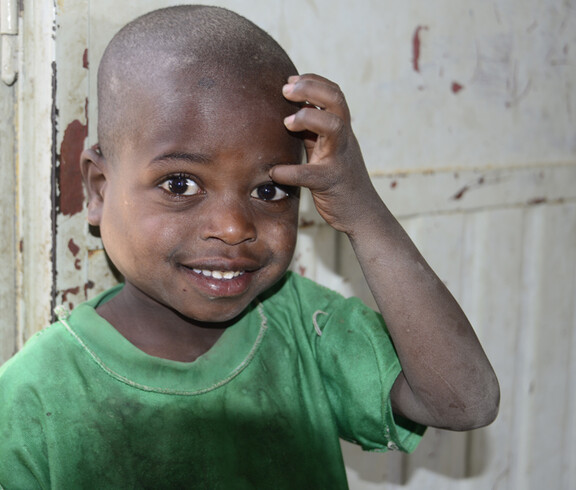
(180, 155)
(203, 159)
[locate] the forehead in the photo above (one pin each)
(210, 109)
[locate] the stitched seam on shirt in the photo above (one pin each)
(125, 380)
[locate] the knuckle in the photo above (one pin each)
(336, 126)
(338, 97)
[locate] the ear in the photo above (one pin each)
(93, 167)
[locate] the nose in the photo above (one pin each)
(228, 220)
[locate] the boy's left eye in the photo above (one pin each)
(269, 192)
(180, 185)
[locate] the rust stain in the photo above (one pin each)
(93, 252)
(87, 286)
(70, 180)
(68, 291)
(73, 247)
(537, 200)
(304, 223)
(460, 193)
(416, 46)
(456, 87)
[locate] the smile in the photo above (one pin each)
(226, 275)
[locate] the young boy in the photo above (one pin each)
(212, 366)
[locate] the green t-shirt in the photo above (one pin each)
(81, 407)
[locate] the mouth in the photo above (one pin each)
(221, 280)
(219, 275)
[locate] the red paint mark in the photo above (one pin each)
(304, 223)
(85, 63)
(456, 87)
(461, 193)
(68, 291)
(21, 246)
(394, 184)
(538, 200)
(466, 188)
(87, 286)
(416, 45)
(70, 179)
(302, 270)
(78, 264)
(73, 247)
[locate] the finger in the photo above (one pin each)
(314, 177)
(317, 91)
(329, 128)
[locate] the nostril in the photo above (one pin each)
(232, 224)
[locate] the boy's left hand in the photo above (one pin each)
(335, 173)
(446, 379)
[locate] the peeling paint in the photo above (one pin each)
(89, 285)
(537, 200)
(74, 249)
(71, 199)
(85, 63)
(460, 194)
(456, 87)
(68, 291)
(416, 46)
(306, 223)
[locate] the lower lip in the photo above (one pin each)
(221, 288)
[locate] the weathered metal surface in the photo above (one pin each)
(8, 240)
(35, 127)
(8, 40)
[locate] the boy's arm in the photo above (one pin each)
(446, 381)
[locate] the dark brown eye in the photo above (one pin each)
(269, 192)
(180, 185)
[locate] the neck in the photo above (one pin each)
(158, 330)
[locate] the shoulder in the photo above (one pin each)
(298, 291)
(47, 351)
(36, 355)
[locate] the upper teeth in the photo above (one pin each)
(219, 274)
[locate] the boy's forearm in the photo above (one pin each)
(447, 381)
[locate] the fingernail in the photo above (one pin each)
(289, 120)
(286, 89)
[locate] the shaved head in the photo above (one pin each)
(208, 48)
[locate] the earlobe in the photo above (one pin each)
(93, 168)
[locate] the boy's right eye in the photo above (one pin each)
(180, 185)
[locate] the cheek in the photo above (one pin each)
(281, 235)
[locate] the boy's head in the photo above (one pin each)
(190, 123)
(215, 48)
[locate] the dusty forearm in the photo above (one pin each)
(447, 380)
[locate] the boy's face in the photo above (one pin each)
(190, 216)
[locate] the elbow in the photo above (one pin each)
(477, 412)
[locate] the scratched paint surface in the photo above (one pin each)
(465, 113)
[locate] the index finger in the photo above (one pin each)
(318, 91)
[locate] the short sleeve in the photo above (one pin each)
(359, 365)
